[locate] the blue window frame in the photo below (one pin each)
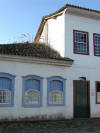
(56, 91)
(96, 38)
(7, 82)
(32, 91)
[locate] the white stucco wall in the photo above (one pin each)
(84, 65)
(44, 35)
(92, 74)
(45, 71)
(83, 24)
(60, 36)
(56, 33)
(53, 33)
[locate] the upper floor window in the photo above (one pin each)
(96, 38)
(98, 92)
(32, 89)
(56, 88)
(6, 90)
(81, 42)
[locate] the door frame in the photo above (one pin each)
(74, 81)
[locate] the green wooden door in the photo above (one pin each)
(81, 96)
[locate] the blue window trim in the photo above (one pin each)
(12, 78)
(25, 78)
(48, 88)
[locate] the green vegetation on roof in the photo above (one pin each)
(40, 50)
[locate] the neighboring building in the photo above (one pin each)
(75, 33)
(28, 73)
(38, 82)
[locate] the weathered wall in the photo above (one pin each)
(45, 71)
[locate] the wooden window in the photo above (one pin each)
(5, 97)
(32, 91)
(6, 90)
(98, 92)
(81, 42)
(32, 97)
(56, 97)
(55, 93)
(96, 40)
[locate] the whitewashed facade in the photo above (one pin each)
(20, 67)
(60, 37)
(58, 32)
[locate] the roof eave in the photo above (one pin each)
(43, 21)
(36, 60)
(60, 11)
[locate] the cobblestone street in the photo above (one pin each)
(66, 126)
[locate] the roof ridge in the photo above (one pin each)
(45, 18)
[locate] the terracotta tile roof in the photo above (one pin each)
(31, 50)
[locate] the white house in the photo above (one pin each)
(36, 82)
(75, 33)
(31, 75)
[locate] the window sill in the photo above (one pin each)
(52, 105)
(6, 105)
(31, 106)
(81, 53)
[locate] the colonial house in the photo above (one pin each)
(32, 82)
(75, 33)
(57, 79)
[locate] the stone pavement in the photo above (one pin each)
(61, 126)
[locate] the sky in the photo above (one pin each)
(20, 19)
